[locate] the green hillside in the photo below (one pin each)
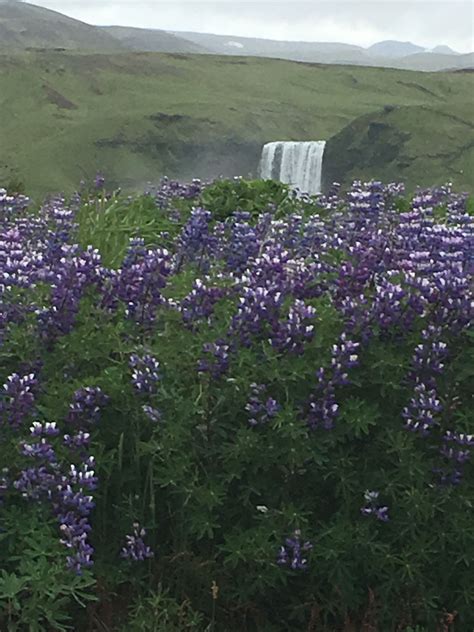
(436, 61)
(420, 144)
(137, 116)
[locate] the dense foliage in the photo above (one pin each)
(227, 407)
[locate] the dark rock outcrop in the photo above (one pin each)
(369, 144)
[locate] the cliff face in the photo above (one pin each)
(370, 144)
(418, 145)
(207, 160)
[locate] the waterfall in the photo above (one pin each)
(297, 164)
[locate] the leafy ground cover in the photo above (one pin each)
(136, 116)
(226, 407)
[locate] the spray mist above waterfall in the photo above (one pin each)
(298, 164)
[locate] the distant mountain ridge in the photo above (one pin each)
(444, 50)
(152, 40)
(394, 49)
(390, 54)
(23, 26)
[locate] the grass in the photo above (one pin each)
(136, 116)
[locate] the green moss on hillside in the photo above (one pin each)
(420, 145)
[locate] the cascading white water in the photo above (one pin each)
(298, 164)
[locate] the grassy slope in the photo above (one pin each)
(422, 145)
(436, 61)
(55, 107)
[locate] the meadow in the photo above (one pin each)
(226, 407)
(137, 116)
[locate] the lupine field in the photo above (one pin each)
(226, 407)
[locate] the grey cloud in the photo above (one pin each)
(427, 23)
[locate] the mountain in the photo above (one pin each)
(24, 25)
(390, 54)
(152, 40)
(318, 52)
(259, 46)
(444, 50)
(394, 49)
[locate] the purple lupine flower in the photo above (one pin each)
(36, 482)
(84, 475)
(292, 334)
(86, 406)
(68, 492)
(291, 554)
(69, 277)
(448, 477)
(40, 450)
(322, 408)
(459, 456)
(77, 441)
(216, 361)
(261, 409)
(459, 438)
(39, 429)
(18, 398)
(199, 304)
(381, 513)
(429, 357)
(372, 508)
(99, 181)
(135, 548)
(139, 283)
(74, 533)
(240, 242)
(171, 190)
(421, 413)
(344, 356)
(146, 373)
(196, 243)
(152, 413)
(455, 458)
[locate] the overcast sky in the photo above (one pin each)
(425, 22)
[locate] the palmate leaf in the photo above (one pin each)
(359, 416)
(10, 585)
